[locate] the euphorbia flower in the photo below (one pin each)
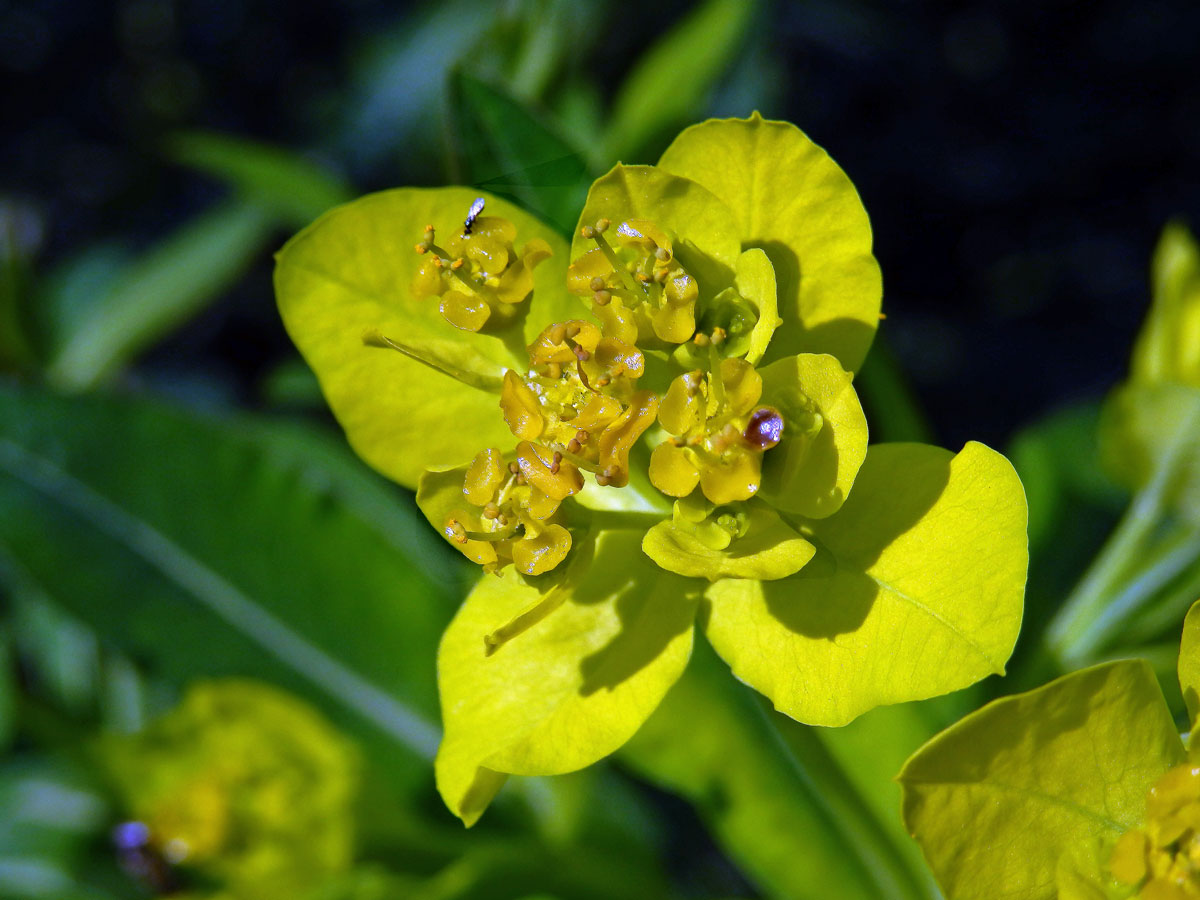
(1080, 790)
(242, 785)
(667, 426)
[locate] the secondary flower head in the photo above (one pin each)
(1080, 789)
(242, 784)
(1162, 857)
(656, 426)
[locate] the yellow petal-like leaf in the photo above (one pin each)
(349, 274)
(999, 799)
(811, 474)
(916, 589)
(769, 549)
(793, 201)
(706, 239)
(572, 687)
(1189, 663)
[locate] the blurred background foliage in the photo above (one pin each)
(177, 505)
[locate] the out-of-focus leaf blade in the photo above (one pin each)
(294, 187)
(16, 345)
(672, 79)
(199, 549)
(158, 291)
(710, 743)
(8, 694)
(1058, 459)
(48, 816)
(509, 150)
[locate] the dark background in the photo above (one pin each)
(1017, 159)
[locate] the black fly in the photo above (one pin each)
(472, 215)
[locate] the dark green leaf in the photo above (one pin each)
(207, 548)
(668, 85)
(155, 293)
(509, 150)
(282, 180)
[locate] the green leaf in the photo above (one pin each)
(672, 79)
(201, 548)
(1058, 460)
(790, 199)
(996, 800)
(16, 340)
(710, 743)
(157, 292)
(602, 650)
(510, 150)
(8, 691)
(349, 274)
(1189, 663)
(294, 188)
(916, 590)
(810, 474)
(1150, 435)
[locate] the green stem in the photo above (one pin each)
(778, 814)
(1081, 625)
(857, 823)
(1166, 614)
(1165, 560)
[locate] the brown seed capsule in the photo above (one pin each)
(765, 428)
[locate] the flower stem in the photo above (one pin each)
(711, 743)
(1133, 565)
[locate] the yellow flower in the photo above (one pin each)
(663, 432)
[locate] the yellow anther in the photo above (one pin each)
(455, 529)
(555, 462)
(458, 264)
(587, 232)
(602, 298)
(596, 284)
(700, 340)
(718, 335)
(662, 254)
(574, 446)
(602, 225)
(422, 248)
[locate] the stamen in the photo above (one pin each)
(483, 382)
(555, 462)
(577, 461)
(524, 621)
(715, 381)
(597, 235)
(596, 284)
(602, 298)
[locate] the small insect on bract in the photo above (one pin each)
(472, 215)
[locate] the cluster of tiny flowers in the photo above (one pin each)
(1162, 858)
(577, 408)
(478, 276)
